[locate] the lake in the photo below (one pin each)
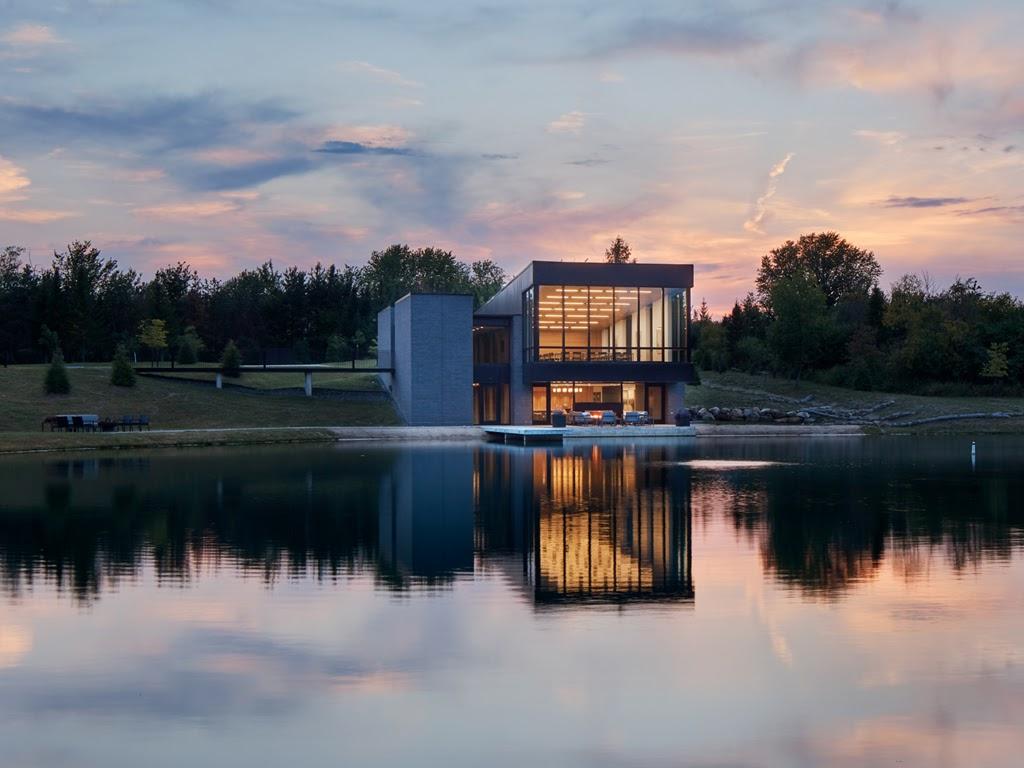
(801, 602)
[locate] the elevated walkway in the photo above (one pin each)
(545, 434)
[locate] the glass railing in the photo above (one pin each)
(609, 354)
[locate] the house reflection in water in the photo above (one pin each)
(586, 525)
(425, 517)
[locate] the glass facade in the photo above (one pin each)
(580, 323)
(617, 396)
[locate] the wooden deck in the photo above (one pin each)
(544, 434)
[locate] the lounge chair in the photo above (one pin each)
(608, 418)
(143, 421)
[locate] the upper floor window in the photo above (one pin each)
(606, 323)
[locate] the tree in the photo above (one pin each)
(619, 252)
(837, 267)
(49, 341)
(57, 381)
(121, 372)
(486, 279)
(189, 346)
(337, 349)
(798, 330)
(997, 365)
(231, 360)
(153, 336)
(704, 312)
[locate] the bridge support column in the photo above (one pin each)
(220, 381)
(309, 383)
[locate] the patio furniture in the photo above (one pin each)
(582, 418)
(609, 418)
(143, 421)
(90, 422)
(635, 418)
(127, 422)
(558, 418)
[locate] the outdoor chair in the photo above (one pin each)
(608, 418)
(581, 418)
(143, 421)
(77, 424)
(127, 422)
(632, 418)
(90, 423)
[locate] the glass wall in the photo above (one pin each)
(616, 396)
(599, 323)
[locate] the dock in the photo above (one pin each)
(544, 434)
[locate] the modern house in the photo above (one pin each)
(560, 335)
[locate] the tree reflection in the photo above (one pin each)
(568, 526)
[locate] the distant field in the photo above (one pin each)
(171, 405)
(739, 390)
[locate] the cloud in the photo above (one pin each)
(30, 36)
(754, 223)
(34, 215)
(1012, 211)
(13, 184)
(499, 156)
(189, 210)
(355, 148)
(887, 138)
(569, 123)
(715, 34)
(151, 124)
(12, 179)
(379, 73)
(370, 135)
(894, 201)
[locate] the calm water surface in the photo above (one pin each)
(759, 603)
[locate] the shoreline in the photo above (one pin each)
(25, 443)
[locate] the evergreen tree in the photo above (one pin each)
(57, 381)
(121, 372)
(231, 360)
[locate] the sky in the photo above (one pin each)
(228, 132)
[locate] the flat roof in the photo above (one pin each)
(631, 275)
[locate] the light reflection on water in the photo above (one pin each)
(750, 603)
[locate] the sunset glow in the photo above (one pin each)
(320, 131)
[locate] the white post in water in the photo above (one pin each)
(220, 380)
(309, 383)
(974, 451)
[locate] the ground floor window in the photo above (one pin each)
(619, 397)
(491, 404)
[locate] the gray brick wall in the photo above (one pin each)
(520, 392)
(433, 359)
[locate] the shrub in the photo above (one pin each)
(57, 382)
(231, 360)
(189, 347)
(121, 372)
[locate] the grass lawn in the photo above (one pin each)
(170, 405)
(740, 390)
(260, 380)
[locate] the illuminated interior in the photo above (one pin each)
(602, 323)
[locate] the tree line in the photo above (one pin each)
(818, 312)
(87, 306)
